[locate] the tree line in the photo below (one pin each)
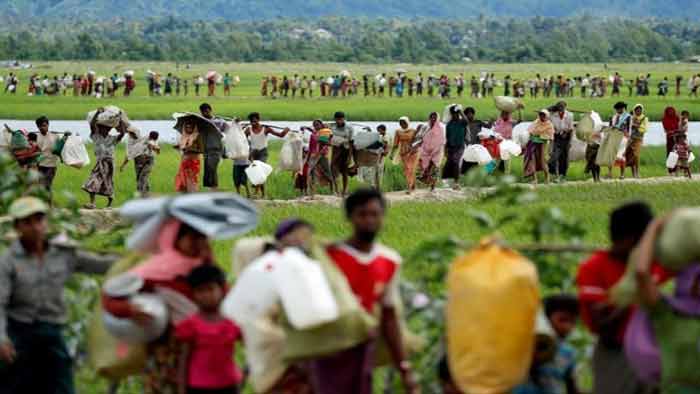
(339, 39)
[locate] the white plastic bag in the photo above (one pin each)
(258, 172)
(691, 157)
(672, 160)
(577, 150)
(477, 154)
(510, 149)
(292, 153)
(521, 135)
(74, 153)
(235, 143)
(364, 139)
(306, 296)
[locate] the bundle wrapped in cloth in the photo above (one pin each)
(493, 300)
(508, 104)
(112, 117)
(678, 244)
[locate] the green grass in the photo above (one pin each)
(245, 97)
(280, 184)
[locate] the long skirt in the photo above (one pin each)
(211, 169)
(591, 154)
(409, 162)
(633, 152)
(670, 143)
(101, 180)
(143, 165)
(612, 373)
(187, 178)
(429, 174)
(451, 170)
(535, 158)
(346, 372)
(161, 372)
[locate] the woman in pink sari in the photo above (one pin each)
(432, 150)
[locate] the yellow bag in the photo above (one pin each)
(493, 299)
(109, 357)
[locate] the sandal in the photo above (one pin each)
(89, 206)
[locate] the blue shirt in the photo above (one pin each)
(550, 378)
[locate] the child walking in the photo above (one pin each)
(682, 149)
(555, 373)
(206, 364)
(142, 151)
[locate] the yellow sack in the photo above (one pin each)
(493, 299)
(109, 357)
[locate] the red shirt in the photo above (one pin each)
(597, 276)
(493, 146)
(372, 276)
(210, 365)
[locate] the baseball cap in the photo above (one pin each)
(25, 207)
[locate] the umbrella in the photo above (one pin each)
(203, 124)
(216, 215)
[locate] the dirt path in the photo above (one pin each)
(445, 194)
(104, 217)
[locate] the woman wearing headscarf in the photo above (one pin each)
(404, 138)
(180, 249)
(671, 122)
(541, 134)
(432, 150)
(638, 126)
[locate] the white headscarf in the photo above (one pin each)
(405, 119)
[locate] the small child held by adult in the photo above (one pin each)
(206, 363)
(555, 373)
(682, 149)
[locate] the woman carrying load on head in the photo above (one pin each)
(404, 138)
(638, 126)
(432, 150)
(101, 180)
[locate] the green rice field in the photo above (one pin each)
(246, 98)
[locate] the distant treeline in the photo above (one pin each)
(358, 40)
